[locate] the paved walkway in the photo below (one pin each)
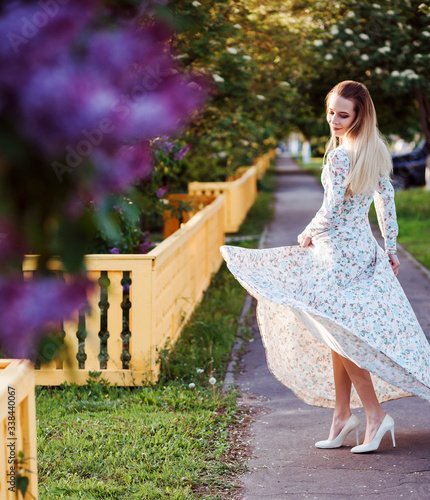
(285, 463)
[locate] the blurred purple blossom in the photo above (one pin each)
(81, 96)
(161, 191)
(114, 250)
(85, 100)
(182, 152)
(35, 35)
(29, 308)
(115, 172)
(146, 245)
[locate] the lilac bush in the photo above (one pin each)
(82, 97)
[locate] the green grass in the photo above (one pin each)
(207, 339)
(168, 441)
(160, 442)
(413, 215)
(101, 442)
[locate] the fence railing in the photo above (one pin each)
(239, 195)
(138, 303)
(262, 163)
(17, 428)
(181, 208)
(240, 190)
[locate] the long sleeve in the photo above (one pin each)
(386, 213)
(334, 194)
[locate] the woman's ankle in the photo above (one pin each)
(341, 415)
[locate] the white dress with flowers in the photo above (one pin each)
(340, 293)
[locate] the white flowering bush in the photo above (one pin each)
(385, 46)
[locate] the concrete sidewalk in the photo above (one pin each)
(285, 463)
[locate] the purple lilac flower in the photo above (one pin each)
(114, 250)
(161, 191)
(35, 35)
(80, 98)
(182, 152)
(29, 309)
(125, 166)
(145, 246)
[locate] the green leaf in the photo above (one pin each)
(22, 484)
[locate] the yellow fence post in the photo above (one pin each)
(239, 196)
(17, 427)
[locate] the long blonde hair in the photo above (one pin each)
(366, 149)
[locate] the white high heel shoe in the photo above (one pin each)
(386, 425)
(352, 424)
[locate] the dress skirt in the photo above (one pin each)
(338, 294)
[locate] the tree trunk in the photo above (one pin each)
(424, 107)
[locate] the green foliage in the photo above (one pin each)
(125, 222)
(119, 223)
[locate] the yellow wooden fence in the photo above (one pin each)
(138, 303)
(239, 195)
(262, 163)
(176, 214)
(240, 190)
(17, 427)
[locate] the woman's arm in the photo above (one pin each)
(386, 213)
(334, 195)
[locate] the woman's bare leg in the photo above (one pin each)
(342, 383)
(364, 387)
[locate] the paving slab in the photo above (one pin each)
(285, 464)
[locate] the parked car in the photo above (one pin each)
(409, 168)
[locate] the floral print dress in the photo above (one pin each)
(340, 293)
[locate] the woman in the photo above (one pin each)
(333, 304)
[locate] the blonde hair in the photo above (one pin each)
(366, 149)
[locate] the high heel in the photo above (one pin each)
(352, 424)
(386, 425)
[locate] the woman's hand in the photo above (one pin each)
(304, 240)
(394, 262)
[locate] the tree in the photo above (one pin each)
(385, 46)
(249, 54)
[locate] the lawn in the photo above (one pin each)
(102, 442)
